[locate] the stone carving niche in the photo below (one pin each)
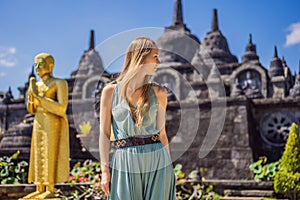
(247, 83)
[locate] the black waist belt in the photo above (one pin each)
(136, 141)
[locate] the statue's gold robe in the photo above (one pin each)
(50, 151)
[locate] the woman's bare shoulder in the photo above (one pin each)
(160, 93)
(158, 89)
(109, 88)
(107, 91)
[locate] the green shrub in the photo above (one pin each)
(189, 188)
(287, 180)
(12, 171)
(263, 171)
(88, 174)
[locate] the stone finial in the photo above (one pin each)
(215, 49)
(283, 60)
(8, 96)
(284, 65)
(92, 40)
(32, 74)
(250, 53)
(214, 24)
(250, 38)
(276, 67)
(177, 16)
(177, 44)
(250, 46)
(9, 91)
(299, 68)
(275, 52)
(90, 62)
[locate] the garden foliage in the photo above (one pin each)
(264, 171)
(12, 171)
(191, 187)
(86, 177)
(287, 180)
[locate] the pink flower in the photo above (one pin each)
(71, 178)
(80, 180)
(97, 185)
(87, 179)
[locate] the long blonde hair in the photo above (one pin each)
(134, 58)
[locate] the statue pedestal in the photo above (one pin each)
(37, 195)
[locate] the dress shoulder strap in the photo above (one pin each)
(155, 83)
(115, 98)
(153, 96)
(160, 85)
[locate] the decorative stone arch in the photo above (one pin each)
(87, 90)
(173, 74)
(254, 67)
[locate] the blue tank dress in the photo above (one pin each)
(139, 172)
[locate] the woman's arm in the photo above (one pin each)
(105, 132)
(161, 95)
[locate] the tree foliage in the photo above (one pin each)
(287, 179)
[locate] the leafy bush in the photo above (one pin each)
(90, 173)
(287, 180)
(11, 171)
(191, 188)
(263, 171)
(88, 176)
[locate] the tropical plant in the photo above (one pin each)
(287, 180)
(88, 176)
(12, 171)
(191, 187)
(264, 171)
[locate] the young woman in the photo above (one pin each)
(133, 110)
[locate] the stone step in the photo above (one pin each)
(248, 198)
(249, 193)
(241, 198)
(240, 184)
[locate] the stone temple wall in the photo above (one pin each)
(15, 114)
(272, 119)
(239, 144)
(231, 155)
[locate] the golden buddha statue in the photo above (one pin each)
(49, 153)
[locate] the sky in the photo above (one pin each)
(62, 28)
